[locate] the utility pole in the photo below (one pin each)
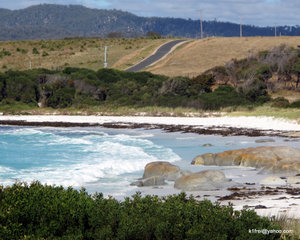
(241, 28)
(105, 56)
(201, 26)
(275, 30)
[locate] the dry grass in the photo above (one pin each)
(198, 56)
(87, 53)
(288, 224)
(292, 96)
(285, 113)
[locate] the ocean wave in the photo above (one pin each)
(87, 158)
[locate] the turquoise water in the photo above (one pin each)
(99, 159)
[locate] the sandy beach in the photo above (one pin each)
(259, 123)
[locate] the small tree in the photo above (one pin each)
(153, 35)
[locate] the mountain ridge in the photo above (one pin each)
(52, 21)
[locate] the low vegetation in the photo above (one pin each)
(74, 87)
(39, 211)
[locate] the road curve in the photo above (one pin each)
(161, 52)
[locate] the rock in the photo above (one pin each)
(185, 173)
(272, 181)
(164, 169)
(270, 159)
(293, 180)
(204, 180)
(260, 207)
(265, 140)
(150, 181)
(207, 145)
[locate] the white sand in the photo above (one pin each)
(261, 123)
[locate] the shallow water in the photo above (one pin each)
(100, 159)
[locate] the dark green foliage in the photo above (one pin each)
(36, 211)
(4, 53)
(175, 86)
(201, 84)
(153, 35)
(223, 96)
(263, 72)
(61, 97)
(83, 87)
(23, 51)
(45, 54)
(21, 86)
(255, 90)
(295, 104)
(280, 102)
(35, 51)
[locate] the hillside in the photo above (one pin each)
(197, 56)
(50, 21)
(84, 53)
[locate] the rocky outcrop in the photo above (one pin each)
(164, 169)
(204, 180)
(279, 159)
(151, 181)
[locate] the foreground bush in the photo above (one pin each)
(49, 212)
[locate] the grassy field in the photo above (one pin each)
(195, 57)
(286, 113)
(189, 59)
(110, 110)
(84, 53)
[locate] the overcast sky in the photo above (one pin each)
(254, 12)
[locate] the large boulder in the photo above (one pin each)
(270, 159)
(204, 180)
(164, 169)
(150, 181)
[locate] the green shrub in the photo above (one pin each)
(295, 104)
(38, 211)
(252, 89)
(35, 51)
(20, 86)
(280, 102)
(45, 54)
(61, 97)
(201, 84)
(223, 96)
(4, 53)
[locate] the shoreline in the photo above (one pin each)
(270, 201)
(225, 126)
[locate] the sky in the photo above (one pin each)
(253, 12)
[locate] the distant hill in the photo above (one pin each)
(50, 21)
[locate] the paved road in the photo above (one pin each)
(162, 51)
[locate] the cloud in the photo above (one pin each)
(255, 12)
